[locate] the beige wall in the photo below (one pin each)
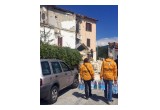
(87, 34)
(64, 20)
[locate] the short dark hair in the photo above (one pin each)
(86, 60)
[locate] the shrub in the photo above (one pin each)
(71, 56)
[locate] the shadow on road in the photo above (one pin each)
(93, 97)
(44, 102)
(77, 94)
(115, 96)
(64, 91)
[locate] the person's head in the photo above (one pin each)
(110, 55)
(86, 60)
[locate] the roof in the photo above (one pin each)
(81, 47)
(55, 7)
(86, 17)
(64, 10)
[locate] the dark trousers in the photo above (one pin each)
(88, 91)
(108, 89)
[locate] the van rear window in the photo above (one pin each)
(45, 68)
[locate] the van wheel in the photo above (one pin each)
(53, 95)
(75, 82)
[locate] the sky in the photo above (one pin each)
(107, 16)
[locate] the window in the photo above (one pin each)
(88, 42)
(43, 16)
(92, 53)
(88, 27)
(77, 41)
(45, 68)
(56, 67)
(65, 67)
(60, 41)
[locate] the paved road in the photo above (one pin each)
(75, 97)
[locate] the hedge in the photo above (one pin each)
(71, 56)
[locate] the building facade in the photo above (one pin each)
(113, 48)
(65, 28)
(86, 36)
(59, 25)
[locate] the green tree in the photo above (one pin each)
(44, 36)
(71, 56)
(102, 52)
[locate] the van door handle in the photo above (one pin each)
(56, 75)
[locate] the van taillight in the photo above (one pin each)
(40, 82)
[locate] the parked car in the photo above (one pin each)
(55, 76)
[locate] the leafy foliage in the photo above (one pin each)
(45, 35)
(71, 56)
(102, 52)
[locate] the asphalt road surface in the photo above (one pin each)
(70, 96)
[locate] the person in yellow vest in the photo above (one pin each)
(108, 74)
(87, 75)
